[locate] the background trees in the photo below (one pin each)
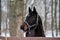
(13, 13)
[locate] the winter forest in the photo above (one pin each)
(13, 13)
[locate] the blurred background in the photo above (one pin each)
(13, 12)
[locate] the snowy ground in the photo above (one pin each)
(48, 34)
(5, 35)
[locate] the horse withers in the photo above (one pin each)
(32, 25)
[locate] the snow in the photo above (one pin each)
(5, 34)
(49, 34)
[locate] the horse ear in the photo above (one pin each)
(30, 10)
(34, 10)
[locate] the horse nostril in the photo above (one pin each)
(21, 27)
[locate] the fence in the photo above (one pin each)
(28, 38)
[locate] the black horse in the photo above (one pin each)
(33, 24)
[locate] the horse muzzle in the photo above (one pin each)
(22, 28)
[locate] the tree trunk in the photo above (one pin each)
(45, 22)
(59, 16)
(16, 8)
(0, 15)
(12, 18)
(55, 15)
(52, 22)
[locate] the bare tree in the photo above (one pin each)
(16, 8)
(52, 22)
(59, 16)
(45, 22)
(0, 15)
(12, 18)
(55, 15)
